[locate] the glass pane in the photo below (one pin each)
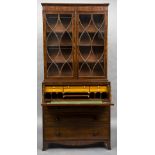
(91, 45)
(59, 45)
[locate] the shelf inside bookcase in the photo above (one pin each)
(59, 39)
(61, 21)
(93, 39)
(86, 19)
(58, 29)
(59, 51)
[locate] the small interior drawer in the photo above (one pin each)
(76, 89)
(98, 89)
(49, 89)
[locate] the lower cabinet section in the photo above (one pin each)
(76, 125)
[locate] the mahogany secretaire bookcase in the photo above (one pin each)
(76, 95)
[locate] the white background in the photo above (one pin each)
(18, 79)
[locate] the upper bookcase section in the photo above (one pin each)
(75, 41)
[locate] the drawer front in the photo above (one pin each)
(76, 89)
(76, 133)
(82, 118)
(98, 89)
(49, 89)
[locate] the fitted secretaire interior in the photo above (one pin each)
(76, 92)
